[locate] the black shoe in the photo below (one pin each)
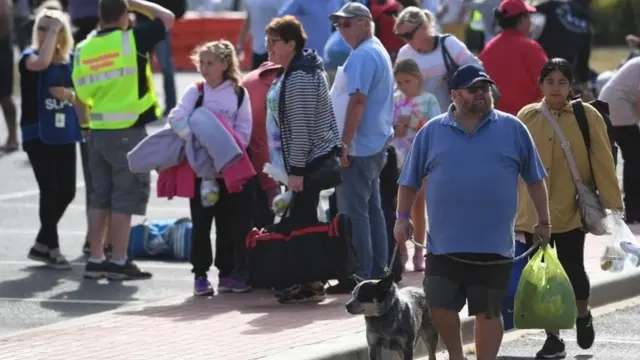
(344, 286)
(128, 271)
(553, 349)
(58, 262)
(304, 294)
(585, 332)
(95, 270)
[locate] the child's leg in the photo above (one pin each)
(418, 216)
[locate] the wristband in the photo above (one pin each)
(84, 126)
(402, 215)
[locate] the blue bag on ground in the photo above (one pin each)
(161, 239)
(545, 297)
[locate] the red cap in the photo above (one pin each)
(515, 7)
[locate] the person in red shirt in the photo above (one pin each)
(257, 84)
(513, 60)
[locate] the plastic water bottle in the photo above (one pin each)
(281, 203)
(613, 259)
(633, 251)
(209, 193)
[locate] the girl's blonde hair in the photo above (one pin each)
(223, 50)
(64, 43)
(416, 17)
(409, 67)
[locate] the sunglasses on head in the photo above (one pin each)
(409, 35)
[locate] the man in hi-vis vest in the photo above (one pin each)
(112, 79)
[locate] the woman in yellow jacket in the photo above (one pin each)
(567, 234)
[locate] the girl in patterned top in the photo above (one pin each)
(412, 109)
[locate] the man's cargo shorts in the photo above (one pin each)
(115, 187)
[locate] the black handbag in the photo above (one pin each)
(328, 175)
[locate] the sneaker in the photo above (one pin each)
(344, 286)
(202, 287)
(95, 271)
(58, 262)
(304, 295)
(553, 349)
(233, 283)
(585, 332)
(128, 271)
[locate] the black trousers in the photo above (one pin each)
(262, 214)
(234, 221)
(303, 209)
(570, 248)
(54, 167)
(628, 140)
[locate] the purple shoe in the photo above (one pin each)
(202, 287)
(233, 283)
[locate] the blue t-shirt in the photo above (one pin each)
(472, 187)
(369, 71)
(313, 15)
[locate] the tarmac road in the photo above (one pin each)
(617, 337)
(31, 295)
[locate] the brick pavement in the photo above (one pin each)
(229, 326)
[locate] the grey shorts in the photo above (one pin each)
(115, 187)
(449, 284)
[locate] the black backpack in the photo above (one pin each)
(240, 90)
(602, 108)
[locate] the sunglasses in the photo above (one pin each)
(272, 41)
(344, 24)
(409, 35)
(484, 87)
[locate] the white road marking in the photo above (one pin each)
(75, 301)
(599, 340)
(142, 263)
(27, 193)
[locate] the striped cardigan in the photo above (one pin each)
(308, 127)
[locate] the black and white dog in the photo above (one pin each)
(395, 318)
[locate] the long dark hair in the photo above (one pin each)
(564, 67)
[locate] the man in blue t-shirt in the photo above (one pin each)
(471, 158)
(367, 130)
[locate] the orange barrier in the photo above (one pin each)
(197, 28)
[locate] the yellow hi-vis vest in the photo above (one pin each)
(105, 77)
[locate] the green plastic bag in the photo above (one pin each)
(544, 298)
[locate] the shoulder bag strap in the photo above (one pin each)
(565, 144)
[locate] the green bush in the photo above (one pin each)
(615, 19)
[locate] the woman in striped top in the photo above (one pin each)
(301, 127)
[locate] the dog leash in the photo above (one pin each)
(495, 262)
(387, 270)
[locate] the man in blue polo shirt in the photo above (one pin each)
(367, 131)
(471, 157)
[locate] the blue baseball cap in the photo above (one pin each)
(468, 75)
